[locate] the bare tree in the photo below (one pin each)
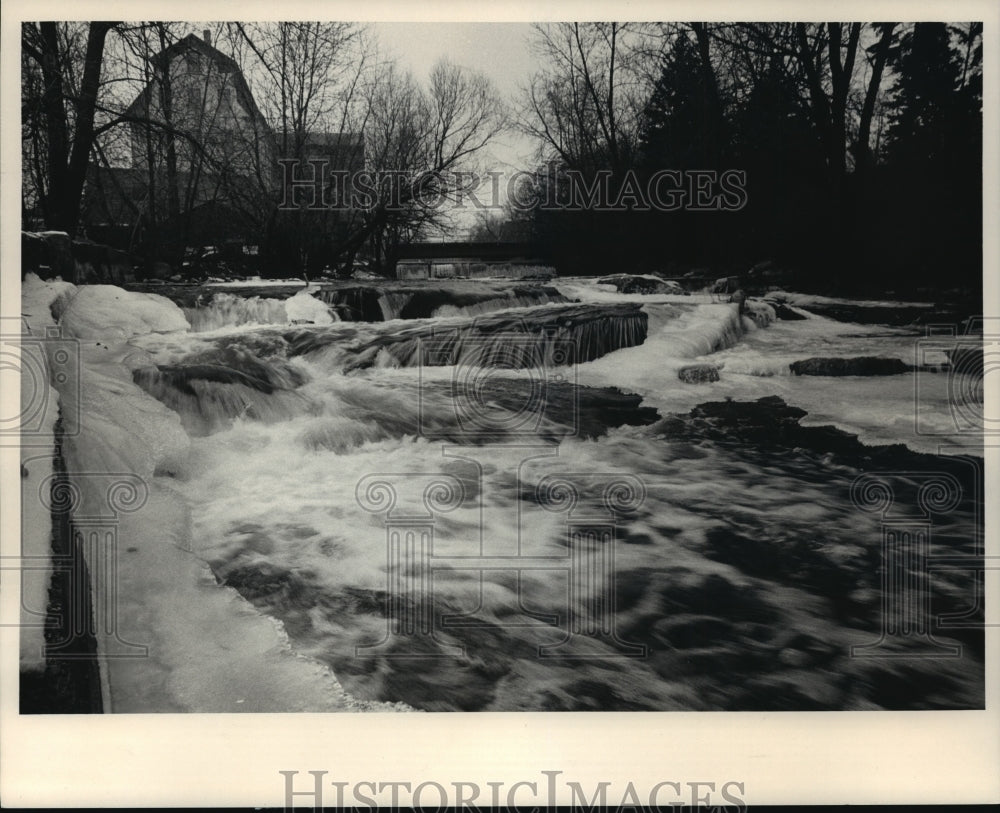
(304, 70)
(423, 149)
(197, 136)
(878, 56)
(67, 110)
(308, 77)
(585, 104)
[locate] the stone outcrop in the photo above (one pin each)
(861, 365)
(782, 311)
(635, 284)
(698, 373)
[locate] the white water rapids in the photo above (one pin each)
(741, 575)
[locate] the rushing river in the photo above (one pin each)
(565, 498)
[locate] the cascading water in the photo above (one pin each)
(721, 579)
(355, 303)
(368, 303)
(516, 300)
(232, 310)
(234, 384)
(392, 303)
(557, 335)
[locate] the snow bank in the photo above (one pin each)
(39, 412)
(113, 314)
(44, 300)
(176, 641)
(113, 425)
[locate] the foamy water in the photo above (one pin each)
(741, 575)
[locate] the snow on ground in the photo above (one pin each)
(201, 647)
(39, 412)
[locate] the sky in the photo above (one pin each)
(499, 50)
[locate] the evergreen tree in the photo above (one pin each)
(933, 153)
(682, 126)
(925, 110)
(683, 129)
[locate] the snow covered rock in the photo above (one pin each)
(44, 300)
(113, 314)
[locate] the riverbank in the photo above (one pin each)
(256, 579)
(168, 638)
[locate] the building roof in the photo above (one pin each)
(226, 64)
(349, 144)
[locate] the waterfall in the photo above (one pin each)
(690, 332)
(355, 304)
(526, 298)
(360, 303)
(233, 310)
(211, 390)
(556, 336)
(727, 334)
(392, 304)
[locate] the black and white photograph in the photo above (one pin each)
(410, 366)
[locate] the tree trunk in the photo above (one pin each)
(68, 203)
(167, 105)
(56, 125)
(862, 150)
